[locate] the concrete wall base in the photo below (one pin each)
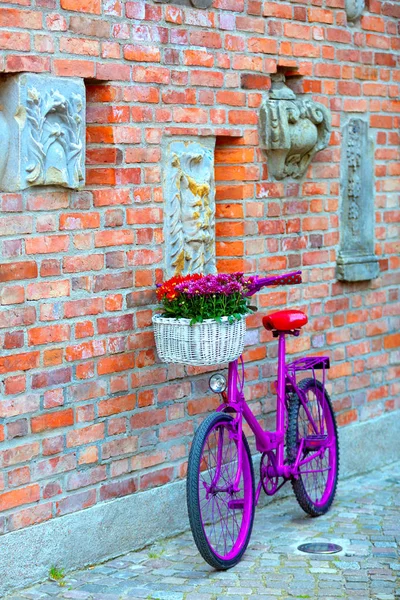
(117, 527)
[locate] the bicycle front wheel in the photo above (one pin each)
(220, 515)
(313, 425)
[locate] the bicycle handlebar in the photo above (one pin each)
(288, 278)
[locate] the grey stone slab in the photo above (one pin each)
(356, 259)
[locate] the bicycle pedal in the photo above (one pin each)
(238, 504)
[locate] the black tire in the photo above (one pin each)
(297, 421)
(217, 422)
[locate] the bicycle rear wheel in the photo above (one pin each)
(315, 486)
(221, 518)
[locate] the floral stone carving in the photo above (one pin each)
(189, 192)
(354, 9)
(44, 120)
(356, 259)
(293, 130)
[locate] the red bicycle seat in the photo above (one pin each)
(285, 320)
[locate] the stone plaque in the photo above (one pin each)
(293, 130)
(42, 125)
(189, 194)
(356, 258)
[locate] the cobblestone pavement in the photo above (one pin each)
(365, 520)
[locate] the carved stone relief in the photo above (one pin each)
(293, 130)
(356, 258)
(189, 192)
(354, 9)
(43, 119)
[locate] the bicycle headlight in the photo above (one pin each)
(217, 383)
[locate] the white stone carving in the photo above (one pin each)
(354, 9)
(44, 118)
(293, 130)
(189, 192)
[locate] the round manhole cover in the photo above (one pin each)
(321, 548)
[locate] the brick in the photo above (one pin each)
(114, 324)
(48, 244)
(86, 6)
(17, 429)
(19, 405)
(205, 39)
(19, 476)
(142, 53)
(392, 341)
(15, 41)
(85, 478)
(85, 350)
(53, 420)
(74, 68)
(13, 17)
(19, 362)
(33, 64)
(19, 454)
(114, 364)
(75, 502)
(14, 498)
(156, 478)
(79, 46)
(73, 221)
(119, 447)
(51, 289)
(117, 489)
(86, 391)
(48, 335)
(17, 224)
(15, 385)
(49, 378)
(13, 294)
(80, 308)
(113, 238)
(78, 264)
(30, 516)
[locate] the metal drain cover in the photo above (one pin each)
(321, 548)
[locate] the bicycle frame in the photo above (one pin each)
(274, 441)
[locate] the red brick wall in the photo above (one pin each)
(86, 411)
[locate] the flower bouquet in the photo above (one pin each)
(203, 318)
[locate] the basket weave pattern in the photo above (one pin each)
(208, 343)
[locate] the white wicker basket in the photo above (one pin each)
(207, 343)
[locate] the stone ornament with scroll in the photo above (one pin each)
(293, 130)
(42, 125)
(356, 259)
(189, 194)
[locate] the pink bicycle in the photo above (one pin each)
(221, 492)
